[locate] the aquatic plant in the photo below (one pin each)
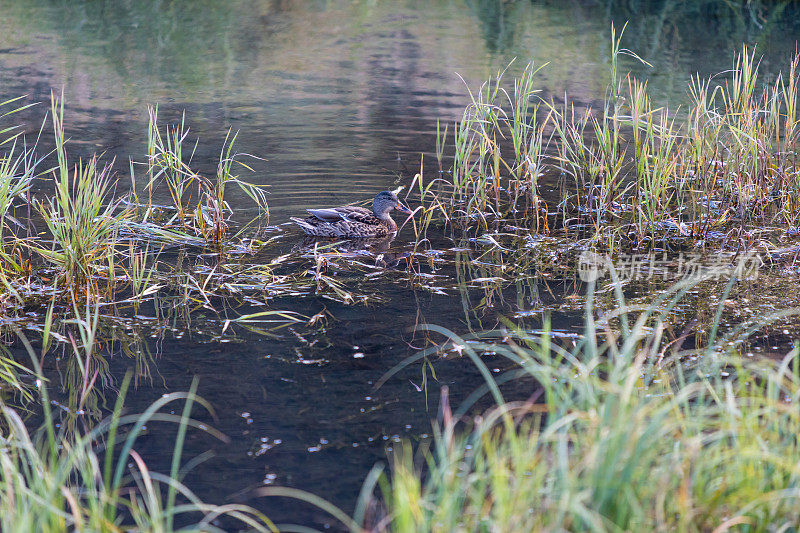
(479, 164)
(167, 163)
(17, 172)
(627, 429)
(82, 217)
(101, 240)
(717, 171)
(61, 479)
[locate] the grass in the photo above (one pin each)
(474, 180)
(716, 170)
(17, 172)
(628, 430)
(631, 426)
(83, 223)
(167, 163)
(106, 241)
(76, 246)
(110, 270)
(59, 478)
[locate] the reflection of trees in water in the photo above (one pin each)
(499, 21)
(181, 40)
(184, 37)
(680, 38)
(702, 25)
(654, 26)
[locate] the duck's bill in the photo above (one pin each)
(403, 209)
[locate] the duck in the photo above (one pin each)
(350, 221)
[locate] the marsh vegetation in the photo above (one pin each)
(720, 173)
(624, 403)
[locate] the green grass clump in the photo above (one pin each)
(631, 171)
(54, 481)
(488, 178)
(99, 240)
(18, 163)
(60, 479)
(199, 202)
(625, 431)
(81, 216)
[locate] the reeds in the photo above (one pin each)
(17, 171)
(166, 162)
(82, 218)
(640, 173)
(485, 183)
(622, 432)
(59, 479)
(104, 245)
(198, 202)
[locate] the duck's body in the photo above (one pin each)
(348, 221)
(351, 221)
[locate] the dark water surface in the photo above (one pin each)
(341, 98)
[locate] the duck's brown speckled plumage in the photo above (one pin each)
(351, 221)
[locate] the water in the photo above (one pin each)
(341, 98)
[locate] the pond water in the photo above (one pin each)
(340, 98)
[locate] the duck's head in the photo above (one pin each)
(386, 201)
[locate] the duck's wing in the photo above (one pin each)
(326, 215)
(359, 215)
(338, 213)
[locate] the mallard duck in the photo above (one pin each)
(350, 221)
